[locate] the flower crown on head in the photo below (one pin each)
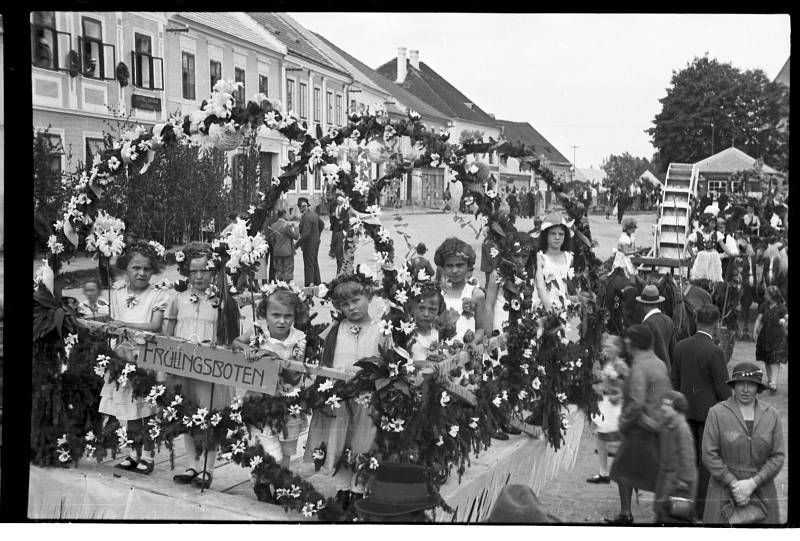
(362, 274)
(270, 288)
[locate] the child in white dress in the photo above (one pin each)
(137, 305)
(457, 260)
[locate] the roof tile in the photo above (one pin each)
(230, 23)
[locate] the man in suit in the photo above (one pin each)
(339, 217)
(658, 322)
(699, 372)
(311, 226)
(282, 233)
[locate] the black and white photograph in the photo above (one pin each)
(402, 268)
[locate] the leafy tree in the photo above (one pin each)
(711, 106)
(624, 169)
(49, 185)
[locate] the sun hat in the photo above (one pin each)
(629, 223)
(518, 504)
(396, 490)
(650, 295)
(553, 219)
(747, 372)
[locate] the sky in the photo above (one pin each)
(587, 80)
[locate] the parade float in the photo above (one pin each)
(442, 418)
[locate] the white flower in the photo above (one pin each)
(494, 252)
(373, 463)
(178, 399)
(473, 423)
(90, 436)
(524, 367)
(236, 417)
(326, 385)
(453, 431)
(407, 327)
(54, 246)
(308, 510)
(386, 327)
(401, 296)
(440, 442)
(491, 194)
(238, 447)
(89, 450)
(445, 398)
(541, 370)
(64, 455)
(403, 276)
(578, 363)
(236, 402)
(159, 248)
(170, 413)
(295, 409)
(522, 394)
(187, 421)
(409, 367)
(122, 437)
(294, 393)
(318, 454)
(216, 419)
(364, 399)
(255, 461)
(561, 397)
(536, 384)
(179, 256)
(62, 440)
(527, 353)
(333, 402)
(504, 396)
(497, 401)
(322, 290)
(230, 434)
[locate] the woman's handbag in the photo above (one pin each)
(681, 508)
(752, 512)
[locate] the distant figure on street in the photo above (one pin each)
(419, 262)
(339, 217)
(699, 372)
(446, 196)
(622, 205)
(311, 225)
(283, 233)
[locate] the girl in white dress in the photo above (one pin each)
(702, 245)
(626, 246)
(135, 304)
(193, 317)
(426, 311)
(457, 260)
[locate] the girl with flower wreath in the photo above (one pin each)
(135, 304)
(193, 316)
(426, 310)
(274, 335)
(457, 259)
(348, 425)
(496, 311)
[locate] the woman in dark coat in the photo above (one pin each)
(743, 449)
(677, 473)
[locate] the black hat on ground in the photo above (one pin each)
(398, 489)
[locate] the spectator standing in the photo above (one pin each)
(513, 202)
(699, 372)
(659, 323)
(636, 464)
(311, 226)
(282, 233)
(771, 346)
(446, 196)
(419, 262)
(338, 218)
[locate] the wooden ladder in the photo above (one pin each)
(673, 226)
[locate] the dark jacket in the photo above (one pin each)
(677, 468)
(699, 372)
(282, 234)
(311, 225)
(663, 336)
(646, 385)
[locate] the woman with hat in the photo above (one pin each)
(743, 450)
(398, 493)
(702, 246)
(626, 246)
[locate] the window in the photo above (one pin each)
(303, 100)
(148, 70)
(215, 72)
(265, 167)
(717, 186)
(432, 184)
(318, 179)
(291, 156)
(339, 110)
(263, 84)
(289, 95)
(55, 151)
(317, 104)
(303, 181)
(187, 66)
(491, 158)
(238, 76)
(736, 185)
(49, 47)
(329, 106)
(94, 146)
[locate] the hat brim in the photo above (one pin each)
(545, 226)
(369, 505)
(761, 385)
(643, 301)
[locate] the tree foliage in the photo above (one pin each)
(48, 189)
(739, 108)
(624, 169)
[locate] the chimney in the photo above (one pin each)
(413, 58)
(401, 65)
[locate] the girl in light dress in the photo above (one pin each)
(457, 260)
(426, 311)
(193, 316)
(135, 304)
(356, 337)
(626, 246)
(276, 338)
(702, 244)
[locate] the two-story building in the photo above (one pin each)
(465, 117)
(314, 87)
(91, 69)
(206, 47)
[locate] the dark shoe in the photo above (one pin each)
(128, 464)
(185, 478)
(621, 520)
(500, 435)
(203, 480)
(599, 479)
(511, 430)
(145, 467)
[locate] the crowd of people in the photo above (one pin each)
(673, 420)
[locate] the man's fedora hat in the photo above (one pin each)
(650, 295)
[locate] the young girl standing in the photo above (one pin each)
(457, 259)
(280, 340)
(193, 316)
(554, 264)
(354, 338)
(426, 310)
(137, 305)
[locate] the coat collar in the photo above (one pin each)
(733, 405)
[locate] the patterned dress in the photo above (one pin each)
(708, 264)
(771, 344)
(137, 309)
(557, 271)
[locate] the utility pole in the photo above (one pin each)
(573, 161)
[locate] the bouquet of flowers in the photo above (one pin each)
(106, 235)
(244, 251)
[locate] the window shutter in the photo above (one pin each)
(64, 45)
(158, 73)
(109, 62)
